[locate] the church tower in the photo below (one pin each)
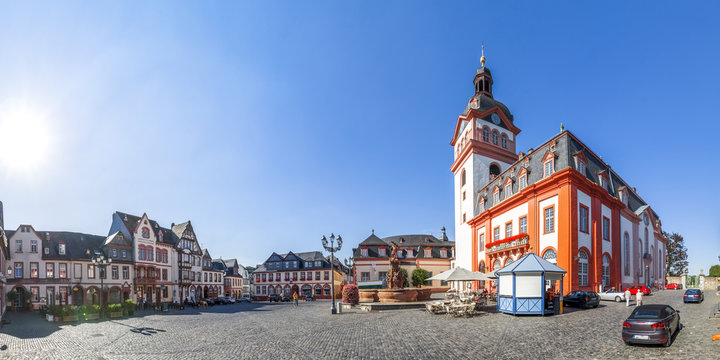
(484, 146)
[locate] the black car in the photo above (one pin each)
(287, 298)
(309, 297)
(693, 295)
(210, 302)
(651, 324)
(582, 299)
(274, 297)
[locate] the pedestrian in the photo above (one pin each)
(638, 298)
(295, 298)
(144, 305)
(627, 297)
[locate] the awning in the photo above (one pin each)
(460, 274)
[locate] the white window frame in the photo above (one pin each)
(582, 269)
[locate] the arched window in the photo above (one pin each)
(482, 266)
(646, 240)
(606, 271)
(486, 134)
(508, 261)
(583, 268)
(652, 268)
(550, 255)
(627, 254)
(462, 178)
(494, 170)
(640, 266)
(504, 141)
(495, 137)
(496, 265)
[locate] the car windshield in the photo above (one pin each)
(645, 314)
(692, 291)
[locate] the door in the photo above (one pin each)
(51, 296)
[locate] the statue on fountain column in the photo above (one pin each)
(395, 278)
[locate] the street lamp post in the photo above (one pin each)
(332, 249)
(101, 263)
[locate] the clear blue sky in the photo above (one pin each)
(269, 124)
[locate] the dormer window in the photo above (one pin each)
(382, 252)
(581, 167)
(580, 162)
(603, 179)
(428, 252)
(61, 248)
(402, 240)
(548, 163)
(114, 252)
(443, 253)
(522, 177)
(364, 252)
(508, 188)
(145, 233)
(410, 252)
(481, 204)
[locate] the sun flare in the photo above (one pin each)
(24, 138)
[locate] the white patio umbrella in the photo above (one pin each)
(460, 274)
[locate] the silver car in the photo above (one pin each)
(612, 295)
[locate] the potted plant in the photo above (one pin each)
(53, 311)
(115, 310)
(129, 306)
(11, 297)
(70, 313)
(350, 294)
(91, 312)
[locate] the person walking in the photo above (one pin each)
(627, 297)
(295, 299)
(639, 298)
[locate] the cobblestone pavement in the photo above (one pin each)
(280, 331)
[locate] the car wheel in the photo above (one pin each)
(618, 299)
(627, 343)
(595, 306)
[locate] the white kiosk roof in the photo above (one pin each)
(530, 263)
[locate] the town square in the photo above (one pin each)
(382, 180)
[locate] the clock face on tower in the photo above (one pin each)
(495, 118)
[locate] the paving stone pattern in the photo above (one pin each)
(281, 331)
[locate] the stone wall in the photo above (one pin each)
(674, 280)
(711, 283)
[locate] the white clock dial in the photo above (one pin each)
(495, 119)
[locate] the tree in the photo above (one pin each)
(403, 271)
(419, 276)
(714, 271)
(676, 254)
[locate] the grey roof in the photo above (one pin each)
(118, 239)
(417, 241)
(530, 262)
(78, 246)
(218, 266)
(566, 147)
(487, 102)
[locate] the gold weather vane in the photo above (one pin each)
(482, 56)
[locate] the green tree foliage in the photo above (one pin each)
(419, 276)
(676, 254)
(714, 271)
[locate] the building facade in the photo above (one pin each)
(372, 258)
(559, 200)
(237, 282)
(306, 273)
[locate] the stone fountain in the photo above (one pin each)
(395, 280)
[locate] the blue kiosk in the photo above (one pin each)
(521, 285)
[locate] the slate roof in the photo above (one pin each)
(131, 223)
(218, 265)
(117, 239)
(78, 246)
(566, 147)
(416, 241)
(530, 262)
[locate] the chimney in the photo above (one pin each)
(47, 236)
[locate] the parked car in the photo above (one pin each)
(651, 324)
(209, 301)
(582, 299)
(309, 298)
(612, 295)
(246, 299)
(693, 295)
(635, 288)
(287, 298)
(672, 286)
(221, 300)
(274, 297)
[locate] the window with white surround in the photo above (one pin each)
(363, 252)
(61, 248)
(583, 218)
(482, 242)
(550, 255)
(504, 142)
(581, 167)
(18, 245)
(508, 230)
(33, 246)
(547, 168)
(382, 252)
(496, 234)
(523, 225)
(410, 252)
(606, 271)
(523, 182)
(495, 137)
(365, 276)
(626, 238)
(428, 253)
(606, 228)
(496, 197)
(582, 268)
(508, 190)
(549, 219)
(486, 134)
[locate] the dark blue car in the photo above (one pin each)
(693, 295)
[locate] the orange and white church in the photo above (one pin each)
(559, 200)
